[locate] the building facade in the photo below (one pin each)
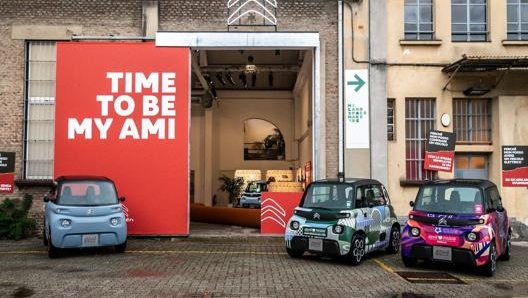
(420, 59)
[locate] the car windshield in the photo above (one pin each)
(87, 193)
(449, 199)
(329, 196)
(256, 187)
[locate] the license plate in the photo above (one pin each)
(442, 253)
(317, 232)
(90, 239)
(315, 244)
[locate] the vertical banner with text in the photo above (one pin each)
(440, 151)
(515, 166)
(122, 111)
(7, 172)
(357, 123)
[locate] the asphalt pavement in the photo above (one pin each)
(236, 262)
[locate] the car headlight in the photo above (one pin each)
(472, 236)
(338, 229)
(65, 223)
(114, 221)
(415, 231)
(294, 225)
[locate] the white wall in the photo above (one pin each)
(227, 145)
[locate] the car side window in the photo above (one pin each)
(493, 195)
(361, 197)
(379, 198)
(386, 195)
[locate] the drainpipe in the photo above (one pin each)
(341, 165)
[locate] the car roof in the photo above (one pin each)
(82, 178)
(356, 181)
(462, 182)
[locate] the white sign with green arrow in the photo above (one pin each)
(357, 109)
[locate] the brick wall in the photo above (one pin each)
(124, 18)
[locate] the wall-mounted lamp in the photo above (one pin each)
(207, 100)
(476, 91)
(250, 66)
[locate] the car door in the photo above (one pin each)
(500, 218)
(372, 217)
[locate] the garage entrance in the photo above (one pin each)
(242, 78)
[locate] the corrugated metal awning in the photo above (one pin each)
(487, 63)
(480, 64)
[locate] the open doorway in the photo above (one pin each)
(236, 77)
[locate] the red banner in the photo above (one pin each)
(7, 172)
(276, 209)
(122, 111)
(7, 182)
(515, 166)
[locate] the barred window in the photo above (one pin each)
(517, 20)
(420, 115)
(391, 133)
(472, 121)
(418, 23)
(469, 20)
(40, 110)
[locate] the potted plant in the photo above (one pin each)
(233, 187)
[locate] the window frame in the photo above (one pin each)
(416, 133)
(38, 163)
(419, 23)
(469, 34)
(391, 119)
(471, 118)
(517, 34)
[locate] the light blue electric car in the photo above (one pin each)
(83, 212)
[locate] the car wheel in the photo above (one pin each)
(53, 252)
(294, 253)
(121, 247)
(357, 249)
(507, 250)
(394, 241)
(409, 262)
(489, 268)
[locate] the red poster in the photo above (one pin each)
(440, 151)
(7, 182)
(122, 111)
(7, 172)
(515, 166)
(276, 209)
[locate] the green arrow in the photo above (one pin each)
(359, 82)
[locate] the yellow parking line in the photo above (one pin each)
(464, 279)
(387, 268)
(384, 266)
